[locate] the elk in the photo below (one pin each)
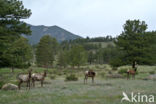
(38, 77)
(91, 74)
(132, 71)
(24, 78)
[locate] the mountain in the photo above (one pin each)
(59, 33)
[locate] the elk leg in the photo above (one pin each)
(33, 82)
(133, 76)
(29, 84)
(92, 79)
(19, 85)
(85, 80)
(41, 83)
(127, 75)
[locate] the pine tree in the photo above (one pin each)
(11, 26)
(19, 54)
(134, 43)
(63, 58)
(77, 56)
(46, 51)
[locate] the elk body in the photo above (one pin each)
(24, 78)
(91, 74)
(131, 72)
(38, 77)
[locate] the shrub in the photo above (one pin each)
(60, 74)
(52, 76)
(109, 72)
(152, 72)
(1, 83)
(122, 71)
(114, 68)
(103, 74)
(104, 67)
(71, 77)
(97, 66)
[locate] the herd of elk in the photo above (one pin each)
(41, 76)
(91, 74)
(28, 77)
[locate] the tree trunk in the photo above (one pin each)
(90, 62)
(12, 69)
(133, 65)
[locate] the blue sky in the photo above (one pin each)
(91, 18)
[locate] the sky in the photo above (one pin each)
(93, 18)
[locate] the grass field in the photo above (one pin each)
(103, 91)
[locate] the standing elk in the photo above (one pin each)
(24, 78)
(38, 77)
(132, 71)
(91, 74)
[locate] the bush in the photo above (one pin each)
(52, 76)
(97, 66)
(109, 72)
(71, 77)
(152, 72)
(114, 68)
(103, 74)
(122, 71)
(1, 83)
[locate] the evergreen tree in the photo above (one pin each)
(46, 51)
(19, 54)
(11, 12)
(77, 56)
(91, 57)
(63, 58)
(134, 43)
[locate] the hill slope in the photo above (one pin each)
(54, 31)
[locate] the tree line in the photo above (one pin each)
(134, 44)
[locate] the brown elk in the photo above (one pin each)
(132, 71)
(38, 77)
(91, 74)
(24, 78)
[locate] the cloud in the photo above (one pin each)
(91, 17)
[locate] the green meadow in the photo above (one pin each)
(58, 91)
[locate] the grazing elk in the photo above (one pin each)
(38, 77)
(91, 74)
(24, 78)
